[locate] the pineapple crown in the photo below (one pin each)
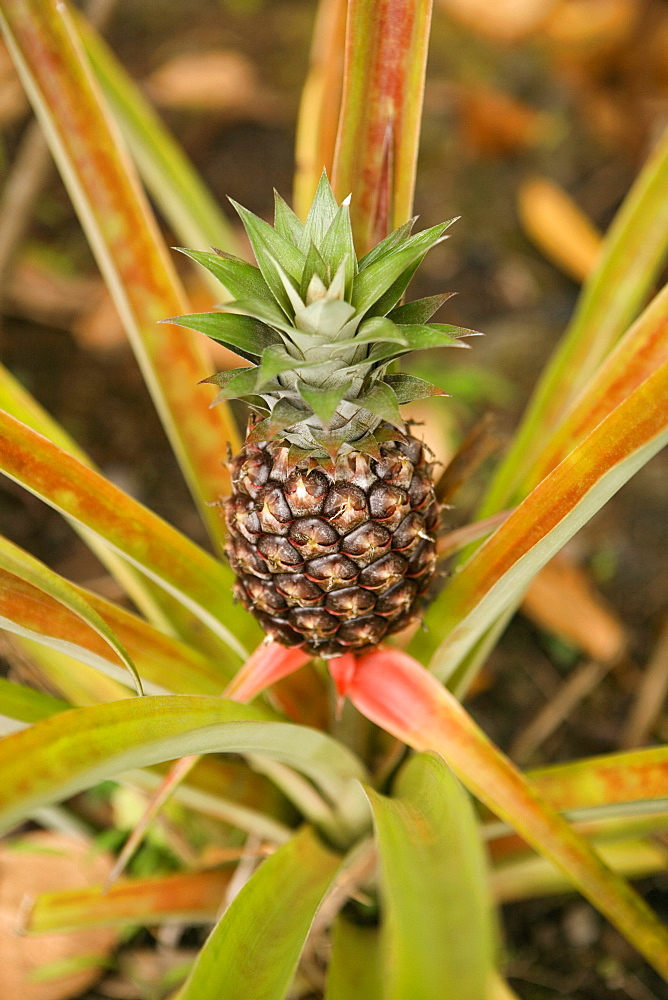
(321, 328)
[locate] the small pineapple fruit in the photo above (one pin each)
(332, 519)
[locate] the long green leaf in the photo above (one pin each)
(164, 663)
(242, 280)
(531, 877)
(123, 235)
(395, 692)
(495, 578)
(253, 952)
(632, 257)
(62, 755)
(165, 555)
(27, 705)
(75, 678)
(19, 563)
(437, 925)
(357, 967)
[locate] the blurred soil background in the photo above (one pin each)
(538, 116)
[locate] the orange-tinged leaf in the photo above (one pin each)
(189, 897)
(379, 126)
(495, 578)
(396, 692)
(161, 660)
(179, 191)
(157, 606)
(124, 236)
(632, 776)
(165, 555)
(642, 350)
(18, 402)
(631, 258)
(558, 227)
(15, 561)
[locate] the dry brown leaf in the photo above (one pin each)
(39, 292)
(507, 20)
(553, 221)
(221, 80)
(47, 862)
(561, 599)
(99, 328)
(591, 27)
(495, 124)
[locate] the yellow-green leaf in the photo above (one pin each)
(253, 952)
(436, 913)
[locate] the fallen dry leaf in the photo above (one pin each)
(495, 124)
(506, 20)
(43, 862)
(563, 600)
(37, 291)
(553, 221)
(223, 81)
(591, 27)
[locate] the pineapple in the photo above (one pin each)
(333, 518)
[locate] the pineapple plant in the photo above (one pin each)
(333, 518)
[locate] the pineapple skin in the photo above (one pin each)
(333, 558)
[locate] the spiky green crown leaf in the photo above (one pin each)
(320, 327)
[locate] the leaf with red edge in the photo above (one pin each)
(269, 663)
(379, 124)
(395, 692)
